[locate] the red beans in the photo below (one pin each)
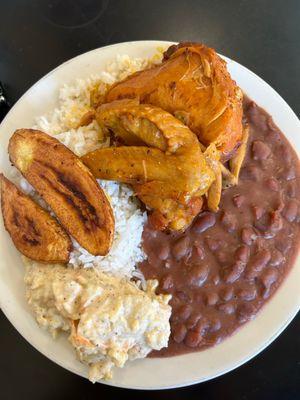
(193, 338)
(288, 174)
(279, 205)
(260, 150)
(290, 210)
(202, 326)
(233, 273)
(191, 323)
(212, 243)
(286, 154)
(257, 263)
(276, 222)
(225, 265)
(229, 221)
(179, 332)
(238, 200)
(277, 258)
(272, 127)
(181, 247)
(183, 296)
(163, 251)
(205, 221)
(272, 184)
(248, 235)
(222, 256)
(215, 279)
(183, 312)
(214, 325)
(291, 189)
(200, 252)
(245, 312)
(261, 259)
(198, 274)
(227, 308)
(273, 136)
(227, 293)
(221, 270)
(270, 224)
(211, 298)
(248, 293)
(251, 172)
(242, 253)
(258, 212)
(167, 283)
(283, 244)
(267, 278)
(256, 118)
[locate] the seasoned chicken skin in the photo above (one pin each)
(193, 84)
(162, 159)
(34, 232)
(67, 186)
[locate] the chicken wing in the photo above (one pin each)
(162, 159)
(193, 84)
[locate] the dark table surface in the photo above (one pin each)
(36, 36)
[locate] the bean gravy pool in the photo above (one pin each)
(224, 268)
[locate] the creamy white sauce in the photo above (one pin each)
(110, 320)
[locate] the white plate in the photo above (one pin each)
(148, 373)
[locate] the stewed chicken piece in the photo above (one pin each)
(193, 84)
(161, 157)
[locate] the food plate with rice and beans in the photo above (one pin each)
(150, 206)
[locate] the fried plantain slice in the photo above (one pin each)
(67, 185)
(34, 232)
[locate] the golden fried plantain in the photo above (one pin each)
(192, 83)
(67, 185)
(34, 232)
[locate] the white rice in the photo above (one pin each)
(73, 101)
(126, 249)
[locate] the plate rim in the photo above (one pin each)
(266, 343)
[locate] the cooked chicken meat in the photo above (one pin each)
(193, 84)
(162, 159)
(34, 232)
(67, 186)
(110, 319)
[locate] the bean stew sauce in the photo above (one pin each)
(224, 267)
